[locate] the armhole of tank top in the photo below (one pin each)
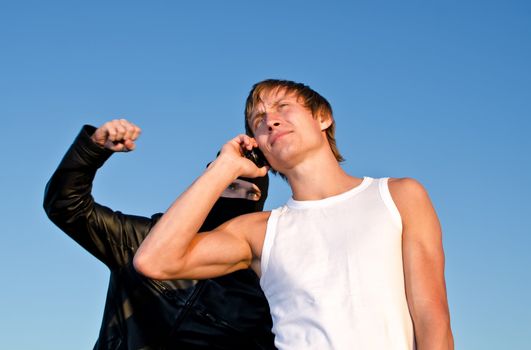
(389, 202)
(270, 233)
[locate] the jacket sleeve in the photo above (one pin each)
(109, 235)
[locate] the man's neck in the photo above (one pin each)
(319, 178)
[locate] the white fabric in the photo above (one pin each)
(333, 275)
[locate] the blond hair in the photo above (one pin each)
(311, 100)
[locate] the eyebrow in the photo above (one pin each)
(279, 101)
(273, 105)
(255, 115)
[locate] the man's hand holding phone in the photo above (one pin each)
(256, 156)
(239, 151)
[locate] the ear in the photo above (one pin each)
(325, 120)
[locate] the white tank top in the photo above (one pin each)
(333, 275)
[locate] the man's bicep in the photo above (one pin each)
(422, 249)
(215, 253)
(230, 247)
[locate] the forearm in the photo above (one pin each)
(108, 235)
(434, 332)
(67, 196)
(70, 185)
(164, 250)
(427, 300)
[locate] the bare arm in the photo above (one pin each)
(173, 249)
(423, 265)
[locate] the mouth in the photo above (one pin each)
(277, 136)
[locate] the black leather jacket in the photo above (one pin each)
(229, 312)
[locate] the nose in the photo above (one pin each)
(273, 121)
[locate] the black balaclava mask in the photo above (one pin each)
(227, 208)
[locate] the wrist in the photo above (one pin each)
(95, 141)
(89, 151)
(226, 167)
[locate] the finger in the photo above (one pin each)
(240, 139)
(252, 141)
(112, 135)
(124, 122)
(111, 130)
(129, 128)
(248, 142)
(112, 145)
(116, 133)
(236, 143)
(136, 133)
(107, 128)
(121, 147)
(129, 145)
(120, 132)
(263, 171)
(253, 171)
(245, 142)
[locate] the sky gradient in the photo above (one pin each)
(437, 91)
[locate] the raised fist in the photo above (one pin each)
(118, 135)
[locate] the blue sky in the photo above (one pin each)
(438, 91)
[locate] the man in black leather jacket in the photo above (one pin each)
(229, 312)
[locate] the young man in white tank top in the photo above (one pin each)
(347, 263)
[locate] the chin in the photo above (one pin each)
(283, 164)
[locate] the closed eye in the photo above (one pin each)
(257, 120)
(281, 104)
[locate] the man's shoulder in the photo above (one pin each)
(249, 227)
(409, 195)
(406, 187)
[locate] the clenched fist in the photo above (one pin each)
(118, 135)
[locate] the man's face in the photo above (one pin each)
(284, 129)
(242, 189)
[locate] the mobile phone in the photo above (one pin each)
(256, 156)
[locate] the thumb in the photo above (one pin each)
(262, 171)
(116, 146)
